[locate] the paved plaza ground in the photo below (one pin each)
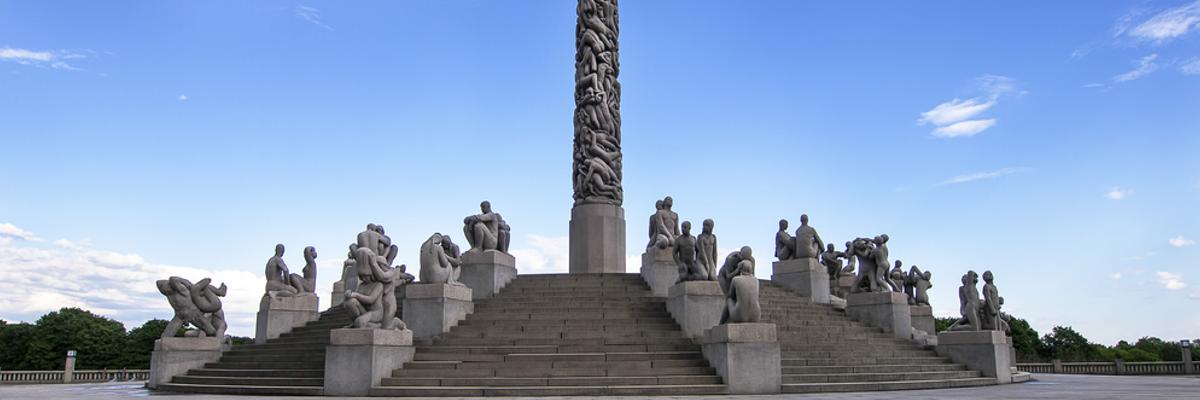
(1044, 386)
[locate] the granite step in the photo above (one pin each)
(543, 391)
(876, 368)
(248, 381)
(884, 386)
(598, 365)
(243, 389)
(879, 376)
(638, 380)
(259, 373)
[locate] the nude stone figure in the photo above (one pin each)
(486, 230)
(706, 249)
(277, 275)
(664, 226)
(685, 256)
(733, 262)
(880, 254)
(850, 259)
(808, 242)
(208, 300)
(785, 246)
(741, 298)
(365, 304)
(896, 277)
(921, 286)
(390, 278)
(655, 221)
(968, 298)
(832, 260)
(307, 283)
(182, 295)
(436, 265)
(349, 271)
(451, 249)
(989, 312)
(867, 279)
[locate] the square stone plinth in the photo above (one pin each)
(841, 286)
(279, 315)
(486, 272)
(175, 356)
(746, 356)
(985, 351)
(358, 359)
(338, 294)
(922, 318)
(885, 310)
(805, 276)
(659, 270)
(597, 239)
(431, 309)
(696, 306)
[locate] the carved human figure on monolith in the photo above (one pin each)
(597, 121)
(684, 254)
(706, 249)
(741, 300)
(664, 225)
(277, 275)
(785, 245)
(436, 265)
(969, 303)
(486, 230)
(989, 311)
(808, 242)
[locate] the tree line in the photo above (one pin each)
(1064, 343)
(100, 343)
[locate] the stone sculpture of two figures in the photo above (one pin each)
(198, 305)
(980, 313)
(740, 286)
(373, 302)
(283, 283)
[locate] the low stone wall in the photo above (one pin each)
(1106, 368)
(82, 376)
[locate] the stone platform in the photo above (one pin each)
(486, 272)
(279, 315)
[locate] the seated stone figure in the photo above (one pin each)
(896, 277)
(832, 260)
(685, 256)
(741, 302)
(785, 246)
(306, 284)
(486, 230)
(733, 263)
(436, 265)
(968, 298)
(664, 225)
(808, 242)
(277, 275)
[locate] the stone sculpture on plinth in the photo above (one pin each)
(664, 225)
(785, 246)
(874, 298)
(278, 277)
(306, 283)
(990, 316)
(799, 268)
(808, 242)
(896, 277)
(741, 300)
(198, 305)
(968, 304)
(696, 300)
(487, 230)
(871, 256)
(917, 285)
(978, 339)
(744, 351)
(436, 265)
(486, 267)
(349, 281)
(684, 254)
(289, 300)
(659, 268)
(706, 249)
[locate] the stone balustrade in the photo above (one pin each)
(80, 376)
(1105, 368)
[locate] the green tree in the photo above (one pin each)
(1066, 344)
(942, 324)
(1026, 342)
(97, 340)
(140, 342)
(14, 343)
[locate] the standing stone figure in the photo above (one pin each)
(198, 305)
(896, 277)
(486, 230)
(664, 225)
(730, 268)
(863, 250)
(597, 155)
(436, 265)
(706, 249)
(921, 285)
(881, 262)
(741, 298)
(685, 256)
(808, 242)
(989, 312)
(785, 246)
(278, 276)
(968, 299)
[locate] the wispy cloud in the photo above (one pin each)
(982, 175)
(54, 59)
(954, 118)
(1180, 241)
(1118, 194)
(1167, 25)
(1145, 66)
(1171, 281)
(312, 15)
(1191, 67)
(14, 232)
(1115, 276)
(182, 97)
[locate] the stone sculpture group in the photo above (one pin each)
(980, 314)
(597, 150)
(198, 305)
(283, 283)
(440, 260)
(740, 286)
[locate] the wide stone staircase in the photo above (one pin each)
(823, 350)
(292, 364)
(558, 335)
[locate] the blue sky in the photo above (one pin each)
(1051, 142)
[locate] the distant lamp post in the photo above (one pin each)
(69, 367)
(1186, 348)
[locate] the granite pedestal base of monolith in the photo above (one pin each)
(358, 359)
(805, 276)
(696, 306)
(884, 310)
(338, 295)
(176, 355)
(659, 270)
(746, 356)
(486, 272)
(597, 239)
(279, 315)
(922, 318)
(985, 351)
(840, 287)
(431, 309)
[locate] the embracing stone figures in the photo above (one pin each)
(487, 230)
(872, 259)
(740, 286)
(196, 304)
(373, 302)
(597, 155)
(664, 224)
(440, 260)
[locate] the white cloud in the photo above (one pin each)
(1118, 194)
(1169, 24)
(312, 15)
(13, 232)
(955, 110)
(182, 97)
(37, 280)
(996, 84)
(1145, 66)
(45, 58)
(964, 128)
(1115, 276)
(982, 175)
(544, 255)
(1191, 67)
(1171, 281)
(1180, 241)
